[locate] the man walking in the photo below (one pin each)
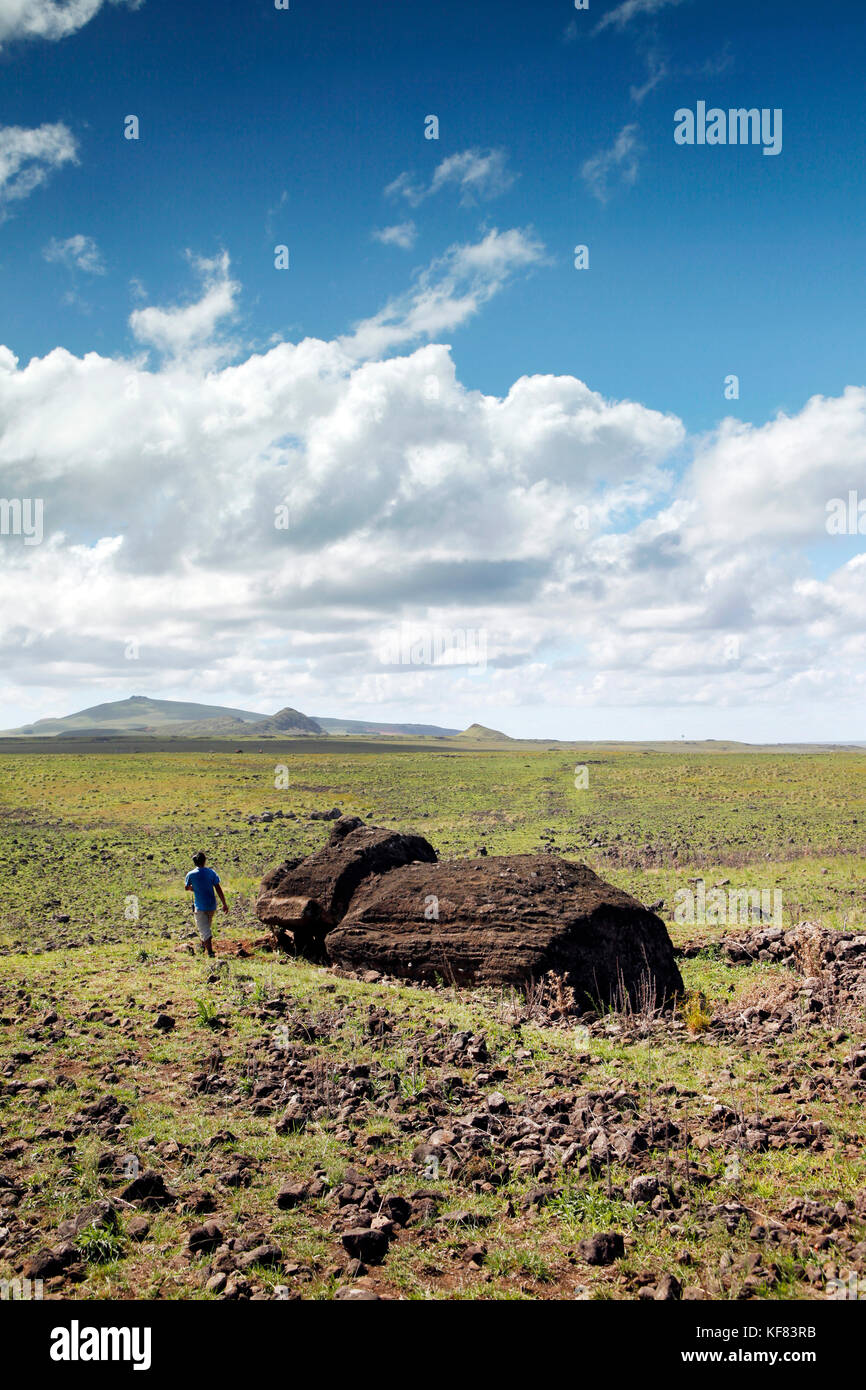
(204, 884)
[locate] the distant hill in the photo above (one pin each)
(478, 733)
(137, 715)
(287, 721)
(365, 726)
(142, 717)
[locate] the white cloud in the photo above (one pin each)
(657, 71)
(180, 331)
(77, 252)
(448, 292)
(49, 19)
(27, 157)
(478, 175)
(620, 162)
(622, 15)
(402, 235)
(688, 583)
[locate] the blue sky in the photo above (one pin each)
(714, 261)
(261, 127)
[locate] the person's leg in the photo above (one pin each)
(203, 922)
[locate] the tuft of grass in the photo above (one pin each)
(207, 1014)
(99, 1245)
(696, 1012)
(591, 1206)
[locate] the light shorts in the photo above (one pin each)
(203, 921)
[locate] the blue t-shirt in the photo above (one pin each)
(202, 882)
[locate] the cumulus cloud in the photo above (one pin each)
(478, 175)
(77, 252)
(618, 163)
(402, 235)
(180, 331)
(29, 155)
(257, 525)
(49, 19)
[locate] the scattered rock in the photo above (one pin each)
(602, 1249)
(264, 1254)
(365, 1244)
(644, 1188)
(667, 1289)
(397, 1209)
(292, 1195)
(50, 1260)
(203, 1240)
(149, 1190)
(102, 1215)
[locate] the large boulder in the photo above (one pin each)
(509, 920)
(304, 898)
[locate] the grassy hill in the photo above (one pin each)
(478, 733)
(139, 714)
(371, 727)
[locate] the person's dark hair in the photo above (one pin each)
(199, 858)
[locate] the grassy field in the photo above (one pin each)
(96, 941)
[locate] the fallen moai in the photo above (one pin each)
(303, 899)
(507, 920)
(376, 899)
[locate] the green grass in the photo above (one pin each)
(84, 835)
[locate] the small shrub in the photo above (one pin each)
(696, 1012)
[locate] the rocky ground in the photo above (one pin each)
(263, 1128)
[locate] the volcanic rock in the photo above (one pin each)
(369, 1246)
(102, 1215)
(50, 1260)
(668, 1289)
(292, 1195)
(343, 827)
(149, 1190)
(602, 1249)
(203, 1240)
(509, 919)
(306, 898)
